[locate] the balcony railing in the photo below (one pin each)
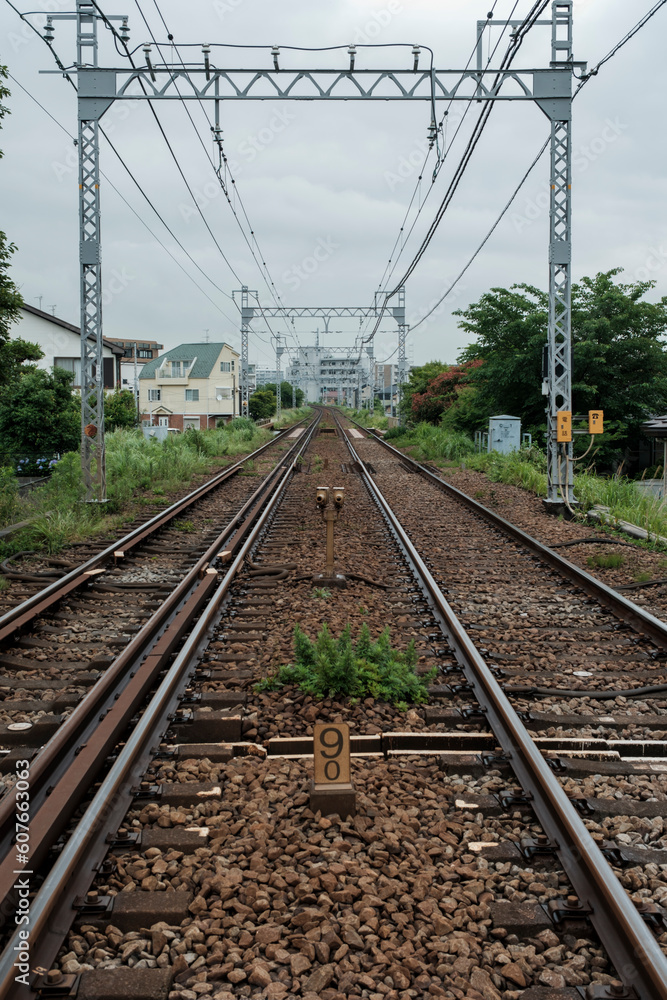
(179, 376)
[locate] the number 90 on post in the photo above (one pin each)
(332, 753)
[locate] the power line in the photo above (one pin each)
(270, 283)
(584, 80)
(447, 148)
(126, 168)
(517, 39)
(131, 207)
(110, 26)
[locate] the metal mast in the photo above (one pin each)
(247, 313)
(93, 460)
(280, 350)
(560, 468)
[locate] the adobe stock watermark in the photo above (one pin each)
(367, 32)
(295, 276)
(436, 305)
(411, 165)
(24, 35)
(582, 158)
(245, 153)
(224, 7)
(654, 262)
(116, 284)
(119, 111)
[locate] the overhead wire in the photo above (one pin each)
(62, 67)
(111, 27)
(131, 207)
(270, 283)
(516, 41)
(447, 148)
(433, 145)
(583, 80)
(263, 266)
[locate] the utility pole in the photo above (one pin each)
(280, 350)
(136, 384)
(560, 469)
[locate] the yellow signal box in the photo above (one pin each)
(595, 421)
(564, 426)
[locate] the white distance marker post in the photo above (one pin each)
(332, 790)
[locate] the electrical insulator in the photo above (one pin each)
(124, 31)
(564, 426)
(595, 421)
(48, 30)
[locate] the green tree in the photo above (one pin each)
(262, 404)
(286, 394)
(418, 382)
(10, 299)
(38, 414)
(120, 409)
(619, 359)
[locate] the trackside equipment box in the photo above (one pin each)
(504, 434)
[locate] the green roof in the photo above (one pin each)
(206, 355)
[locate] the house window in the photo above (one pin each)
(232, 366)
(145, 354)
(163, 421)
(180, 368)
(70, 365)
(223, 392)
(154, 395)
(192, 395)
(225, 366)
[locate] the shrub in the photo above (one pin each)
(9, 496)
(330, 668)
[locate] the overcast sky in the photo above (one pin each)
(330, 177)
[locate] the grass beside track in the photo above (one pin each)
(140, 472)
(527, 469)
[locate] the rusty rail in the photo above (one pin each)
(632, 947)
(34, 606)
(51, 910)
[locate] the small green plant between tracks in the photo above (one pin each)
(331, 667)
(606, 560)
(321, 594)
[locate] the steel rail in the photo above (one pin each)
(52, 760)
(637, 618)
(632, 947)
(51, 911)
(29, 609)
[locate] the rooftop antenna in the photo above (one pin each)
(206, 335)
(53, 310)
(39, 299)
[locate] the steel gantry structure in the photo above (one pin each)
(549, 88)
(325, 313)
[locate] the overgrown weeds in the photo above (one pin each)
(606, 560)
(330, 668)
(134, 463)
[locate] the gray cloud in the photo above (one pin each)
(316, 174)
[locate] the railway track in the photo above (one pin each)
(498, 850)
(59, 640)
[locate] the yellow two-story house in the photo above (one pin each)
(193, 385)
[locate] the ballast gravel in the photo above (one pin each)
(395, 903)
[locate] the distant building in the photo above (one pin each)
(61, 344)
(193, 385)
(130, 366)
